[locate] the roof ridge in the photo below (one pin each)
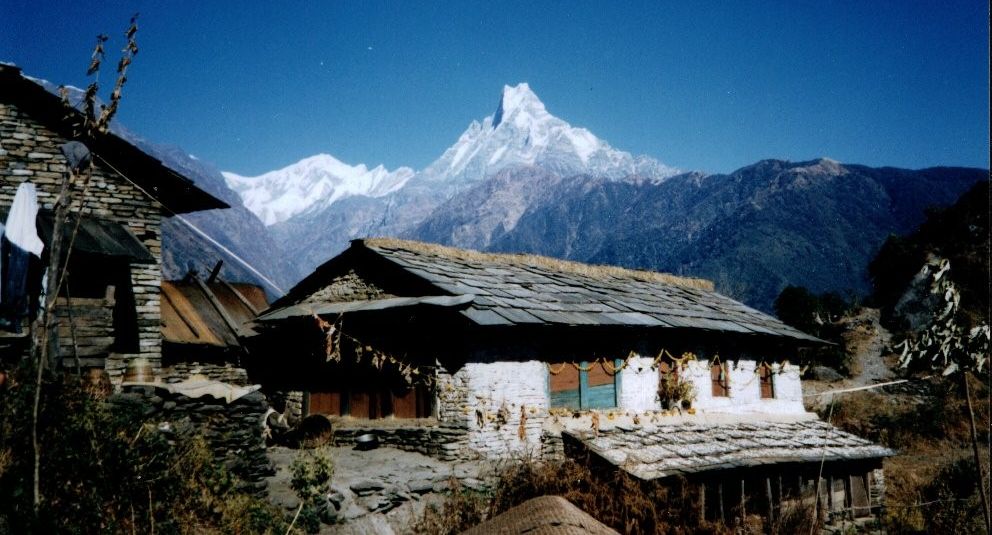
(596, 271)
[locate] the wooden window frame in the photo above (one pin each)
(766, 381)
(584, 388)
(720, 389)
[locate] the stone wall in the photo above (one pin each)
(226, 372)
(30, 152)
(445, 442)
(232, 430)
(501, 405)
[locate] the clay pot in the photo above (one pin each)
(138, 370)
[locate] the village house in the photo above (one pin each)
(109, 306)
(461, 354)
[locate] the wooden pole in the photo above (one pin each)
(43, 336)
(743, 504)
(702, 502)
(771, 502)
(719, 495)
(978, 457)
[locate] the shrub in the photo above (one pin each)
(312, 472)
(105, 469)
(462, 509)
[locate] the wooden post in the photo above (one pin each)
(702, 502)
(771, 502)
(743, 503)
(719, 495)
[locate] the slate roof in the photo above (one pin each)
(544, 515)
(658, 451)
(532, 290)
(174, 190)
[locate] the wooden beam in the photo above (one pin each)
(219, 307)
(244, 300)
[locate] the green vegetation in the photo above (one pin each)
(104, 469)
(312, 472)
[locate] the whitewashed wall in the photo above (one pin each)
(745, 389)
(639, 386)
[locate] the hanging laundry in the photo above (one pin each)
(20, 240)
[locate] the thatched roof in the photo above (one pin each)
(546, 515)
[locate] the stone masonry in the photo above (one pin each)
(30, 152)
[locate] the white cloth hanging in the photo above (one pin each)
(21, 229)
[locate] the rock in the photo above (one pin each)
(336, 497)
(421, 486)
(474, 484)
(366, 486)
(376, 503)
(824, 373)
(328, 512)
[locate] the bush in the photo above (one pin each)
(312, 472)
(462, 509)
(105, 469)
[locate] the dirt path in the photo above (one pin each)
(871, 361)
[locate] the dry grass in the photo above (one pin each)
(931, 436)
(541, 262)
(627, 505)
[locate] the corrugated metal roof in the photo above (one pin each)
(190, 316)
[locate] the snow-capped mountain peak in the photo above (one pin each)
(522, 132)
(521, 106)
(312, 183)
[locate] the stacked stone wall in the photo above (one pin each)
(501, 405)
(448, 443)
(234, 431)
(30, 152)
(226, 372)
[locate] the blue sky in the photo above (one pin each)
(253, 86)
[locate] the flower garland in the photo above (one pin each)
(613, 369)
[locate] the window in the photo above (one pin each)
(720, 379)
(371, 402)
(594, 386)
(765, 377)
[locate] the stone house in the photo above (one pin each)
(464, 354)
(109, 307)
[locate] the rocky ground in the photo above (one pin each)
(872, 361)
(379, 491)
